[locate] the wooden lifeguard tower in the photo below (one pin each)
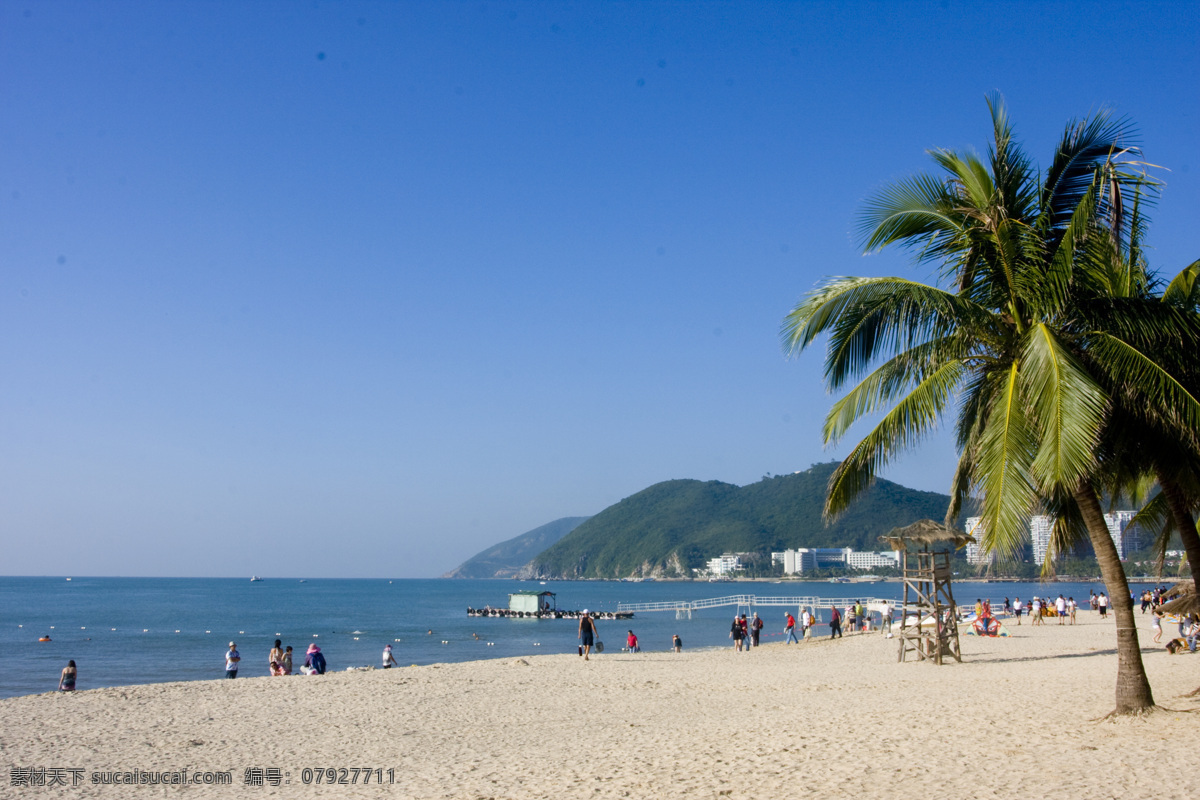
(929, 617)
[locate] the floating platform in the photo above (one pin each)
(488, 611)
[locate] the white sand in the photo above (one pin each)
(824, 719)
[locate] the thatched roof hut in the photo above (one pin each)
(1183, 599)
(924, 533)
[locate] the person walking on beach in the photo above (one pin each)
(632, 643)
(1156, 625)
(389, 660)
(1072, 607)
(1035, 612)
(231, 661)
(677, 643)
(885, 619)
(736, 632)
(1102, 604)
(806, 624)
(276, 658)
(835, 623)
(285, 666)
(789, 628)
(1017, 609)
(587, 633)
(66, 682)
(756, 626)
(1060, 608)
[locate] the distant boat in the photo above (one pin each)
(254, 578)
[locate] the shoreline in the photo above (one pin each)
(1016, 719)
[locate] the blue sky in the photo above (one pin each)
(359, 289)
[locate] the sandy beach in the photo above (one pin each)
(827, 719)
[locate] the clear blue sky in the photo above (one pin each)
(359, 289)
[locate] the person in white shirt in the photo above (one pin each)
(231, 661)
(389, 660)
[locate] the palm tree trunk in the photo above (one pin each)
(1133, 687)
(1183, 521)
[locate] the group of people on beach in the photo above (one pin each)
(589, 637)
(745, 631)
(854, 618)
(279, 662)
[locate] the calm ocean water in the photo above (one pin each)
(146, 630)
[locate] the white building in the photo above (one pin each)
(974, 550)
(1040, 529)
(1126, 537)
(725, 564)
(806, 559)
(864, 560)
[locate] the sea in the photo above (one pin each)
(122, 631)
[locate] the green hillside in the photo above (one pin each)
(503, 560)
(671, 527)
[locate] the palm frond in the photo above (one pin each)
(1068, 405)
(909, 421)
(1004, 466)
(888, 382)
(1085, 145)
(872, 317)
(1146, 382)
(1184, 288)
(914, 212)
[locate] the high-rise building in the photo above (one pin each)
(1040, 529)
(974, 550)
(1126, 537)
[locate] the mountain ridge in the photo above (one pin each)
(505, 559)
(670, 528)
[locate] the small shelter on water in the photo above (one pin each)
(532, 602)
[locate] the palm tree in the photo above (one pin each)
(1014, 345)
(1149, 443)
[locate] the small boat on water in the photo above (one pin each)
(254, 578)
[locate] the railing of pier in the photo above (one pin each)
(750, 601)
(684, 608)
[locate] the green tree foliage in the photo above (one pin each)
(674, 526)
(1030, 338)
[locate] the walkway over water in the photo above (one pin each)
(683, 608)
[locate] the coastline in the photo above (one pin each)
(842, 718)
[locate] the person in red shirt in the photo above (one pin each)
(632, 643)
